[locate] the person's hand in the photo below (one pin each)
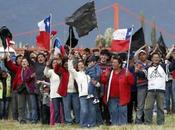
(138, 67)
(6, 56)
(52, 51)
(70, 56)
(1, 58)
(172, 48)
(94, 82)
(47, 63)
(33, 75)
(38, 81)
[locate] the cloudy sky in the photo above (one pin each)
(21, 16)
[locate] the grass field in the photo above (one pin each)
(12, 125)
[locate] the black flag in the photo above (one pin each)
(73, 42)
(83, 19)
(138, 40)
(5, 36)
(161, 44)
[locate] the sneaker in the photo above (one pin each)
(89, 96)
(165, 111)
(22, 122)
(154, 113)
(96, 101)
(33, 122)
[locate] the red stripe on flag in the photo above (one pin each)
(43, 40)
(120, 45)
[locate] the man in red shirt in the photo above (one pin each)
(118, 91)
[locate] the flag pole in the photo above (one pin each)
(50, 32)
(70, 40)
(127, 63)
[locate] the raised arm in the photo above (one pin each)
(47, 71)
(170, 52)
(141, 48)
(13, 67)
(71, 68)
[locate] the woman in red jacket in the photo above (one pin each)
(118, 91)
(24, 83)
(68, 91)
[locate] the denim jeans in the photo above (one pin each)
(57, 104)
(45, 111)
(87, 112)
(71, 100)
(92, 90)
(104, 111)
(141, 95)
(4, 108)
(33, 107)
(173, 96)
(168, 96)
(152, 97)
(99, 119)
(118, 113)
(14, 105)
(22, 99)
(132, 106)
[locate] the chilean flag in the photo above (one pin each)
(43, 39)
(59, 48)
(121, 40)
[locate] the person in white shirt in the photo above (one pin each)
(54, 83)
(87, 108)
(156, 89)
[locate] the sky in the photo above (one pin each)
(22, 16)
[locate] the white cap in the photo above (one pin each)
(142, 51)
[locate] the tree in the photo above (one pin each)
(100, 41)
(108, 36)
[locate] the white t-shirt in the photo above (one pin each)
(156, 78)
(54, 82)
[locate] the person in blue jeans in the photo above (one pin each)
(118, 92)
(87, 108)
(5, 94)
(142, 84)
(94, 71)
(68, 90)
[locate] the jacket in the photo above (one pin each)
(54, 82)
(62, 89)
(81, 78)
(125, 83)
(19, 79)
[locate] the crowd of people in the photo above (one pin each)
(89, 87)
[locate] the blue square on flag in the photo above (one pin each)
(121, 40)
(43, 39)
(44, 25)
(129, 33)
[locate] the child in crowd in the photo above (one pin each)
(94, 71)
(45, 100)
